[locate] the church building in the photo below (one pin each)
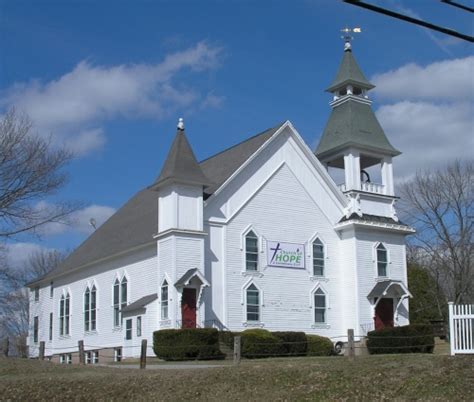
(259, 235)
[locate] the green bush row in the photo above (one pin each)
(256, 343)
(417, 338)
(187, 344)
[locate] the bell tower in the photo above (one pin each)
(354, 141)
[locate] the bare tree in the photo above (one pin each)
(14, 298)
(31, 169)
(440, 205)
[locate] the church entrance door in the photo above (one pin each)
(384, 314)
(188, 308)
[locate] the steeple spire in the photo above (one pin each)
(181, 165)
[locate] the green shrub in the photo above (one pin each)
(259, 343)
(187, 344)
(292, 343)
(417, 338)
(319, 346)
(227, 338)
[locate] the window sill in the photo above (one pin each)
(253, 324)
(117, 329)
(381, 278)
(91, 333)
(315, 278)
(165, 323)
(321, 326)
(257, 274)
(64, 337)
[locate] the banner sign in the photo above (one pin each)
(289, 255)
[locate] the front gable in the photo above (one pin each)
(284, 148)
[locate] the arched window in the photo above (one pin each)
(382, 260)
(319, 306)
(87, 309)
(164, 300)
(251, 251)
(116, 303)
(252, 297)
(120, 299)
(318, 258)
(64, 314)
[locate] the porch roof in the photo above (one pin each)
(140, 303)
(381, 289)
(189, 275)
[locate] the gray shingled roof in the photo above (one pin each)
(353, 123)
(181, 164)
(140, 303)
(372, 218)
(349, 73)
(136, 222)
(381, 286)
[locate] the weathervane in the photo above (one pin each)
(348, 37)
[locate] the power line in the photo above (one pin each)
(459, 5)
(412, 20)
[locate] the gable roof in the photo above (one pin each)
(181, 164)
(136, 222)
(349, 73)
(353, 123)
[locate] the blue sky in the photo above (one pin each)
(109, 79)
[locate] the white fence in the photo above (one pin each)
(461, 327)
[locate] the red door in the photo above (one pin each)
(384, 314)
(188, 308)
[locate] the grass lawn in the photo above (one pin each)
(333, 378)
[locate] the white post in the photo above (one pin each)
(387, 175)
(451, 327)
(352, 170)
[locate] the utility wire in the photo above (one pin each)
(459, 5)
(412, 20)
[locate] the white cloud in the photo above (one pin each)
(429, 135)
(18, 254)
(79, 221)
(448, 79)
(73, 107)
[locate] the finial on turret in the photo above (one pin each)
(181, 124)
(347, 37)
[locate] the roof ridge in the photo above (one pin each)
(243, 142)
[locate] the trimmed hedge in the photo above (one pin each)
(319, 346)
(257, 343)
(292, 343)
(187, 344)
(417, 338)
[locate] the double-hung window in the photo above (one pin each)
(120, 299)
(319, 306)
(35, 329)
(64, 314)
(382, 260)
(90, 298)
(128, 329)
(50, 326)
(251, 251)
(318, 258)
(164, 300)
(139, 326)
(252, 296)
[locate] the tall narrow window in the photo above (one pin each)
(318, 258)
(128, 329)
(139, 325)
(37, 293)
(164, 301)
(251, 251)
(253, 303)
(123, 291)
(382, 260)
(116, 303)
(50, 326)
(35, 330)
(67, 314)
(87, 309)
(319, 306)
(93, 311)
(61, 315)
(51, 289)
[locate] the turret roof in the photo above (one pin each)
(349, 73)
